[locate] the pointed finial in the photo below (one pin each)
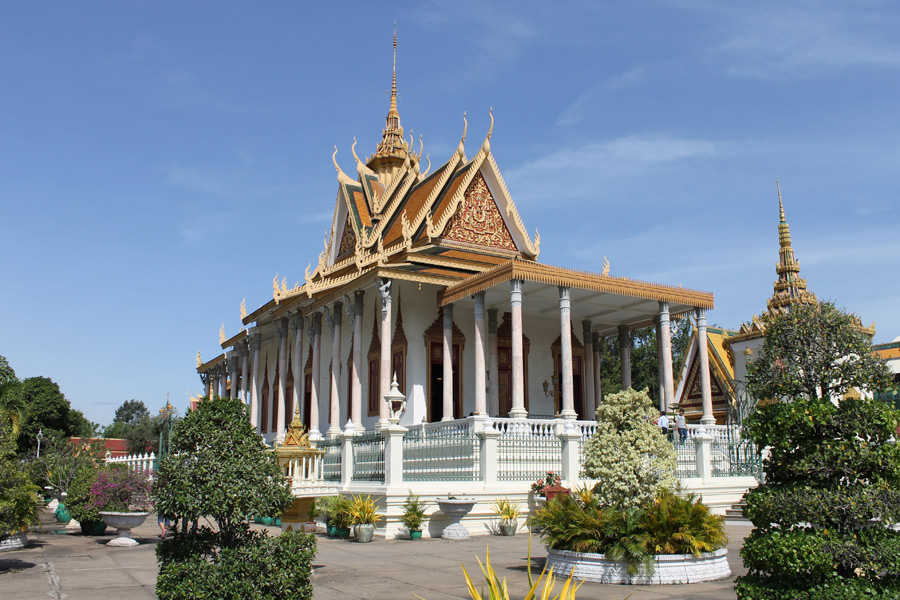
(486, 146)
(780, 204)
(222, 334)
(199, 360)
(353, 150)
(461, 149)
(394, 81)
(243, 308)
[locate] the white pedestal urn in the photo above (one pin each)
(456, 509)
(123, 522)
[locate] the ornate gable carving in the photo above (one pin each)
(478, 220)
(348, 238)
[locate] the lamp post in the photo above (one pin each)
(40, 436)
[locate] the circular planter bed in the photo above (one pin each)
(670, 568)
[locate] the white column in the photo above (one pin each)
(356, 363)
(448, 363)
(223, 380)
(255, 384)
(334, 324)
(314, 387)
(565, 340)
(588, 375)
(384, 290)
(705, 390)
(518, 355)
(659, 363)
(598, 392)
(666, 353)
(393, 455)
(480, 363)
(281, 335)
(245, 374)
(297, 362)
(232, 374)
(625, 356)
(494, 358)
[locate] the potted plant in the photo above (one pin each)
(121, 496)
(312, 514)
(330, 510)
(413, 515)
(509, 513)
(363, 511)
(341, 517)
(79, 502)
(551, 479)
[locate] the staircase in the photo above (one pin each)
(736, 512)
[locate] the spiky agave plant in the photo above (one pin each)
(566, 525)
(498, 590)
(626, 541)
(682, 525)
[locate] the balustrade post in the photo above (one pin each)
(393, 454)
(347, 454)
(571, 467)
(703, 447)
(489, 453)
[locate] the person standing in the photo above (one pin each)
(663, 424)
(681, 425)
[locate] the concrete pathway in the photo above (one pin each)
(67, 566)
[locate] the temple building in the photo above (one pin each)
(430, 276)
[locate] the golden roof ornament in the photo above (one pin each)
(296, 435)
(605, 270)
(790, 288)
(222, 334)
(243, 308)
(199, 360)
(393, 150)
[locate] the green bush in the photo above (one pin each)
(79, 501)
(255, 568)
(18, 496)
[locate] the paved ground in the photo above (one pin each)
(68, 566)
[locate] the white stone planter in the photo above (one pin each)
(456, 509)
(16, 541)
(123, 522)
(670, 568)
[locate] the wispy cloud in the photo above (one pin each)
(196, 181)
(580, 108)
(775, 40)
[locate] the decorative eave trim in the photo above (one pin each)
(235, 339)
(533, 247)
(407, 179)
(549, 275)
(256, 314)
(454, 263)
(452, 165)
(219, 360)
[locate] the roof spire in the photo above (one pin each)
(393, 150)
(790, 288)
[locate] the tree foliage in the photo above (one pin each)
(833, 470)
(130, 412)
(18, 496)
(628, 454)
(219, 468)
(132, 421)
(815, 351)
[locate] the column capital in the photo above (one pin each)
(565, 297)
(515, 292)
(296, 320)
(279, 328)
(317, 323)
(587, 334)
(384, 291)
(448, 316)
(492, 320)
(253, 340)
(479, 305)
(664, 312)
(700, 314)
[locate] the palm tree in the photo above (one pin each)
(12, 408)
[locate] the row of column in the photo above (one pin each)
(485, 391)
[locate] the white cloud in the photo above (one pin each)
(580, 108)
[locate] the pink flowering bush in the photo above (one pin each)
(121, 490)
(547, 481)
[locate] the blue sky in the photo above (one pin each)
(159, 162)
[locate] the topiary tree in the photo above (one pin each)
(833, 471)
(219, 468)
(628, 454)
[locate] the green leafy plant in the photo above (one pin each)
(833, 469)
(413, 512)
(363, 510)
(18, 496)
(79, 501)
(506, 509)
(120, 489)
(315, 510)
(338, 511)
(682, 525)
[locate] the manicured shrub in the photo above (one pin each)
(79, 501)
(255, 568)
(18, 496)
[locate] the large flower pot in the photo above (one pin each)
(415, 534)
(15, 541)
(343, 532)
(364, 532)
(456, 509)
(123, 522)
(92, 527)
(669, 568)
(508, 527)
(62, 515)
(331, 530)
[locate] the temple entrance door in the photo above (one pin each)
(436, 383)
